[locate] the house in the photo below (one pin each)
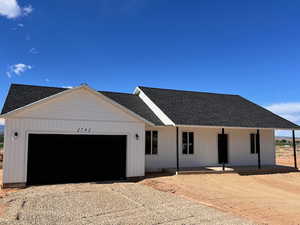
(55, 135)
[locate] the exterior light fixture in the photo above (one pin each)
(137, 136)
(15, 135)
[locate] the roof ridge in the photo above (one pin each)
(115, 92)
(41, 86)
(201, 92)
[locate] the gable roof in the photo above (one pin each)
(209, 109)
(20, 95)
(135, 104)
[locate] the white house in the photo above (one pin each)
(57, 135)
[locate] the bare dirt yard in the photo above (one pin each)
(265, 199)
(4, 193)
(107, 203)
(285, 156)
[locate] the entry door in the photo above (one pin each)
(223, 148)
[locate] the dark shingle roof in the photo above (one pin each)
(135, 104)
(20, 95)
(208, 109)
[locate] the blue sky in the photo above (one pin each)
(249, 48)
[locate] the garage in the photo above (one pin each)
(65, 158)
(58, 135)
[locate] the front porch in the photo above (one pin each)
(242, 170)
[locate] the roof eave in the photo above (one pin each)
(237, 127)
(83, 86)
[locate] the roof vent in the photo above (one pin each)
(84, 84)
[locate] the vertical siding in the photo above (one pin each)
(206, 148)
(15, 150)
(166, 156)
(65, 115)
(79, 104)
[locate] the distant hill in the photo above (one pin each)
(286, 138)
(1, 129)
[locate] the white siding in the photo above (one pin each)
(65, 115)
(206, 148)
(166, 157)
(78, 104)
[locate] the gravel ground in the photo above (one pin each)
(106, 203)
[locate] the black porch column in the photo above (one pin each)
(258, 148)
(177, 151)
(223, 147)
(294, 146)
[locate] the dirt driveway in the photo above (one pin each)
(269, 199)
(114, 203)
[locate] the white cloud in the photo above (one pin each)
(11, 9)
(289, 111)
(286, 133)
(27, 10)
(19, 26)
(285, 108)
(47, 80)
(17, 69)
(67, 87)
(33, 51)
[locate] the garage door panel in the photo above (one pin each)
(54, 158)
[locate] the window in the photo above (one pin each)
(187, 143)
(253, 147)
(151, 146)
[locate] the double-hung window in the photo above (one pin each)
(187, 143)
(253, 147)
(151, 142)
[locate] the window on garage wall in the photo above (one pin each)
(151, 143)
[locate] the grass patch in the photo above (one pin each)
(1, 145)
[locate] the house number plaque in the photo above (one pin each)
(84, 130)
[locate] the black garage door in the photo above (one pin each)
(57, 158)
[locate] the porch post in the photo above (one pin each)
(177, 151)
(294, 146)
(258, 148)
(223, 147)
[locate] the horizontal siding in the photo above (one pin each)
(206, 148)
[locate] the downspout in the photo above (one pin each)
(258, 149)
(223, 148)
(294, 146)
(177, 152)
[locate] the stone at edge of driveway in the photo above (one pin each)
(117, 203)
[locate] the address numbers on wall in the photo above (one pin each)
(84, 130)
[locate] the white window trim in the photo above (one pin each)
(188, 142)
(255, 148)
(151, 142)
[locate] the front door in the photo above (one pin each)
(223, 148)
